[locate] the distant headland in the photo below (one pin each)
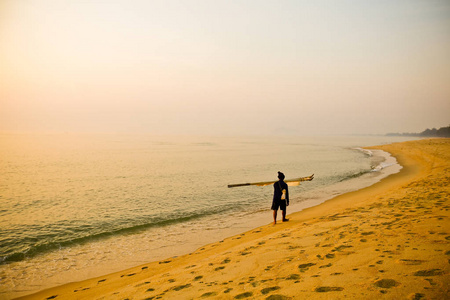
(441, 132)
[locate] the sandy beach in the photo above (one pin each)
(390, 241)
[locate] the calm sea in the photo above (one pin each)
(78, 206)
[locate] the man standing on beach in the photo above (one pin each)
(280, 187)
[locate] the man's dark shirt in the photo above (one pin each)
(277, 191)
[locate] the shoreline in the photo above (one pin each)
(121, 252)
(235, 253)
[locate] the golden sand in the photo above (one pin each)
(389, 241)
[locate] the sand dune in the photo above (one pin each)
(390, 240)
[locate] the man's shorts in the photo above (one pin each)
(279, 204)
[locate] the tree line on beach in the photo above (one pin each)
(441, 132)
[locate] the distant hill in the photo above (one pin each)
(441, 132)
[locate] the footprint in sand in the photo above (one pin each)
(411, 261)
(305, 267)
(181, 287)
(293, 277)
(324, 289)
(168, 261)
(416, 296)
(386, 283)
(52, 297)
(284, 235)
(209, 294)
(212, 283)
(278, 297)
(432, 272)
(255, 283)
(367, 233)
(244, 295)
(340, 248)
(290, 247)
(269, 289)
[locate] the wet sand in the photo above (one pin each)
(390, 240)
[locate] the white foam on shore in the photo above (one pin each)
(385, 165)
(389, 161)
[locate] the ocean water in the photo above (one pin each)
(79, 206)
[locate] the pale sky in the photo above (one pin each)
(224, 67)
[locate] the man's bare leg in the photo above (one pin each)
(284, 216)
(274, 217)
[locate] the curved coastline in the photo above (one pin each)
(385, 166)
(324, 237)
(88, 258)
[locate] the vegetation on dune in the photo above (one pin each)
(441, 132)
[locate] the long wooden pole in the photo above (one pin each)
(290, 182)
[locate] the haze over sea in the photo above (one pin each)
(78, 206)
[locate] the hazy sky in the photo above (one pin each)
(224, 67)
